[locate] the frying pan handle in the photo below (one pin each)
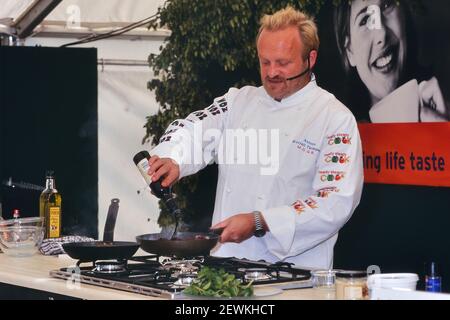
(108, 233)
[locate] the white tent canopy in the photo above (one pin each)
(13, 8)
(107, 11)
(123, 98)
(99, 11)
(78, 18)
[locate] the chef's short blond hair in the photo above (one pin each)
(290, 17)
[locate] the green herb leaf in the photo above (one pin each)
(218, 283)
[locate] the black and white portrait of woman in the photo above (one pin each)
(377, 42)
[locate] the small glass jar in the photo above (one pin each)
(323, 279)
(351, 285)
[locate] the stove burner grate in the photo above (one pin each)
(110, 267)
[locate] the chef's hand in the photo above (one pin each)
(237, 228)
(164, 167)
(432, 105)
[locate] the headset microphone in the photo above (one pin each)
(301, 74)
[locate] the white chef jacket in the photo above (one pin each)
(318, 179)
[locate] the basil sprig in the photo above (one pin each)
(218, 283)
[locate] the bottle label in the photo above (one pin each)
(54, 222)
(433, 284)
(143, 167)
(353, 293)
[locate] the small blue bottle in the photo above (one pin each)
(432, 279)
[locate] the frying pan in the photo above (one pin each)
(183, 244)
(107, 249)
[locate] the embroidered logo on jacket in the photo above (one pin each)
(311, 203)
(306, 146)
(218, 107)
(299, 206)
(331, 175)
(339, 138)
(336, 157)
(325, 192)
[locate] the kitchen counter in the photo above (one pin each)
(33, 273)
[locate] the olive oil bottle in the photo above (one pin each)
(50, 207)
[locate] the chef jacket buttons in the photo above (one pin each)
(228, 190)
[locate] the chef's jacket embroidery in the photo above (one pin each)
(309, 199)
(311, 203)
(324, 192)
(299, 206)
(336, 157)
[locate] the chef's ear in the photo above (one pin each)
(312, 58)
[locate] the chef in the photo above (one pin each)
(289, 154)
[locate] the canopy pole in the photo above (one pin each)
(122, 62)
(34, 15)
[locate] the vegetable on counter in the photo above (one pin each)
(218, 283)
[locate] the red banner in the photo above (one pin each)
(406, 153)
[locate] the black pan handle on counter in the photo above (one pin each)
(108, 249)
(108, 233)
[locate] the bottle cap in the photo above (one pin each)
(351, 274)
(49, 173)
(432, 269)
(16, 213)
(138, 157)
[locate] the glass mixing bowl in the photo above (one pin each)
(21, 240)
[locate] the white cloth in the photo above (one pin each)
(319, 179)
(54, 246)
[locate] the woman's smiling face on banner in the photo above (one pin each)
(377, 44)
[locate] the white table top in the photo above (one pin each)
(33, 272)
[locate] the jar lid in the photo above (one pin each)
(323, 272)
(351, 274)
